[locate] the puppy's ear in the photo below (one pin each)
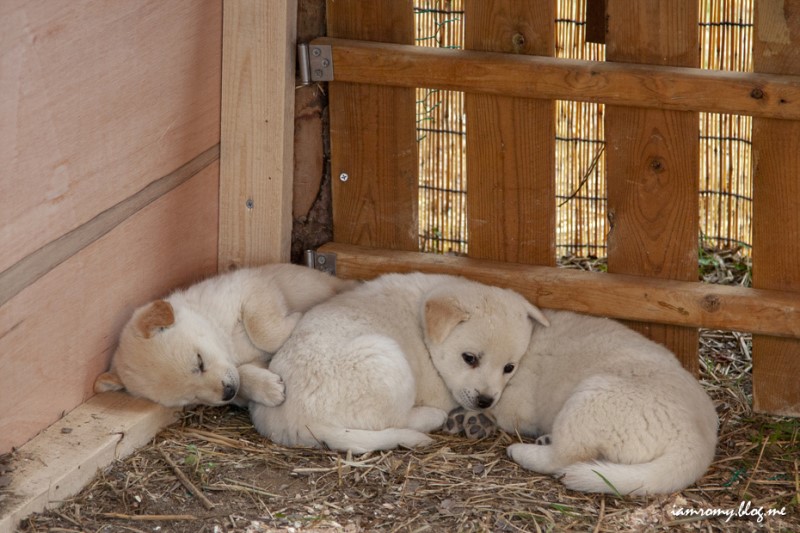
(108, 381)
(156, 316)
(442, 314)
(536, 315)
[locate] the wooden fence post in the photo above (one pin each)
(373, 136)
(652, 161)
(510, 141)
(776, 207)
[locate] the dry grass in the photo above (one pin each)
(253, 485)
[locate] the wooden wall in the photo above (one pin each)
(109, 184)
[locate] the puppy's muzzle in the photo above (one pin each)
(228, 392)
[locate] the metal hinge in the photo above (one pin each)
(322, 262)
(315, 62)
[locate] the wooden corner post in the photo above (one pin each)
(256, 137)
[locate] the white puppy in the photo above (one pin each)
(615, 411)
(210, 344)
(377, 367)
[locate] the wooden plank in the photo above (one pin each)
(98, 100)
(257, 131)
(652, 160)
(373, 136)
(623, 84)
(510, 141)
(776, 209)
(58, 462)
(58, 333)
(618, 296)
(26, 271)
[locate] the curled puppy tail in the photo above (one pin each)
(361, 441)
(665, 474)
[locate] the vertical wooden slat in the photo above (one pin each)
(256, 144)
(652, 161)
(776, 208)
(511, 141)
(373, 137)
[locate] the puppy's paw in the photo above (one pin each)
(544, 440)
(474, 424)
(479, 425)
(524, 455)
(272, 392)
(257, 384)
(533, 457)
(455, 421)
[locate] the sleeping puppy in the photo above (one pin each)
(614, 411)
(379, 366)
(210, 344)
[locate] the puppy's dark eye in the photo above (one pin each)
(201, 367)
(509, 368)
(470, 358)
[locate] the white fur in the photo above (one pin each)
(379, 366)
(211, 342)
(613, 403)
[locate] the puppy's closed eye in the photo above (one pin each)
(201, 367)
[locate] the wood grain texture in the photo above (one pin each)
(26, 271)
(618, 296)
(373, 136)
(257, 132)
(98, 100)
(776, 209)
(63, 458)
(58, 334)
(510, 149)
(623, 84)
(652, 161)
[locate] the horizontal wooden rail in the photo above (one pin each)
(626, 84)
(618, 296)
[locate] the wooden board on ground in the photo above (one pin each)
(58, 462)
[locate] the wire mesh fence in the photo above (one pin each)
(441, 136)
(726, 184)
(725, 173)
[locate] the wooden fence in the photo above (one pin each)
(653, 92)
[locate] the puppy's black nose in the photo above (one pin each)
(484, 402)
(228, 392)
